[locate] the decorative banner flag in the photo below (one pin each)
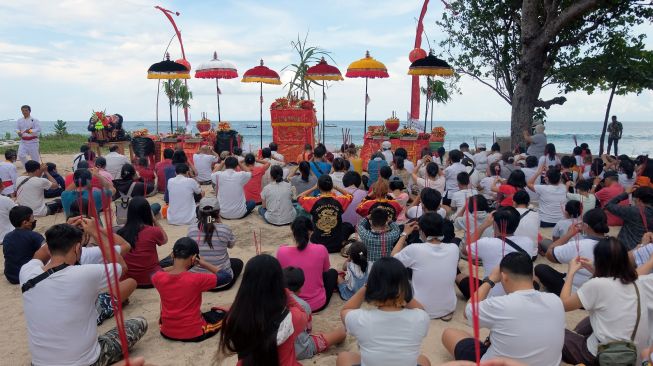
(367, 99)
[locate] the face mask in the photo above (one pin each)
(33, 225)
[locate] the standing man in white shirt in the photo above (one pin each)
(183, 193)
(386, 147)
(526, 325)
(203, 162)
(231, 194)
(480, 160)
(8, 173)
(30, 189)
(115, 161)
(28, 129)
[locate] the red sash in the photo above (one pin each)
(7, 184)
(28, 138)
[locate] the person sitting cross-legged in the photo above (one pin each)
(230, 189)
(181, 290)
(60, 308)
(21, 243)
(525, 325)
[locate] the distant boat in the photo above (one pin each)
(330, 125)
(252, 126)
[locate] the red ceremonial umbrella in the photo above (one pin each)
(216, 69)
(367, 67)
(263, 75)
(323, 72)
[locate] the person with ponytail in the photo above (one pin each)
(264, 320)
(276, 200)
(355, 268)
(593, 228)
(214, 238)
(313, 259)
(303, 181)
(614, 297)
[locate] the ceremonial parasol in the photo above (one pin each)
(168, 70)
(216, 69)
(367, 67)
(323, 72)
(430, 66)
(263, 75)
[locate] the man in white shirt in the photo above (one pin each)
(459, 199)
(492, 250)
(229, 184)
(30, 189)
(464, 148)
(429, 201)
(480, 160)
(28, 129)
(451, 172)
(529, 219)
(8, 173)
(115, 161)
(526, 325)
(275, 154)
(183, 193)
(6, 204)
(387, 152)
(60, 309)
(434, 265)
(203, 162)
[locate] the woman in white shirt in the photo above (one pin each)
(390, 334)
(551, 196)
(432, 179)
(276, 200)
(613, 298)
(549, 158)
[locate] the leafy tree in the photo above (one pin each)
(515, 46)
(179, 95)
(440, 92)
(307, 56)
(621, 66)
(60, 128)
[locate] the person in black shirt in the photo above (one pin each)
(20, 245)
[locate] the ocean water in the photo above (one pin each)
(637, 137)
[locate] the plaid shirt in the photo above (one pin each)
(375, 242)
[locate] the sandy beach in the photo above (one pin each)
(157, 350)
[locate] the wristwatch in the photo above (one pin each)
(402, 235)
(488, 281)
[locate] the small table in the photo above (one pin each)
(413, 147)
(94, 146)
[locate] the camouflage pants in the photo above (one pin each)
(110, 349)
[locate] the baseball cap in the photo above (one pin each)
(209, 204)
(386, 144)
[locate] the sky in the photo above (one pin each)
(67, 58)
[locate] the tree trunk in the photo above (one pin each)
(527, 91)
(605, 121)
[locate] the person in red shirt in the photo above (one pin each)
(264, 319)
(516, 181)
(95, 181)
(160, 167)
(181, 295)
(379, 197)
(144, 234)
(326, 211)
(253, 187)
(611, 188)
(146, 174)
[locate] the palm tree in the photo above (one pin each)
(436, 91)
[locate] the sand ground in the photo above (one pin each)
(159, 351)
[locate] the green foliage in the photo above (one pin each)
(621, 62)
(485, 40)
(439, 91)
(178, 93)
(60, 128)
(57, 144)
(307, 57)
(539, 114)
(7, 136)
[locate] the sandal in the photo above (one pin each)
(446, 318)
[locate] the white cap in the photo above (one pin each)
(386, 145)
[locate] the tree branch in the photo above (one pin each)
(579, 36)
(497, 90)
(548, 103)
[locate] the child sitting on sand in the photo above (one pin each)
(21, 244)
(181, 295)
(307, 344)
(378, 233)
(355, 271)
